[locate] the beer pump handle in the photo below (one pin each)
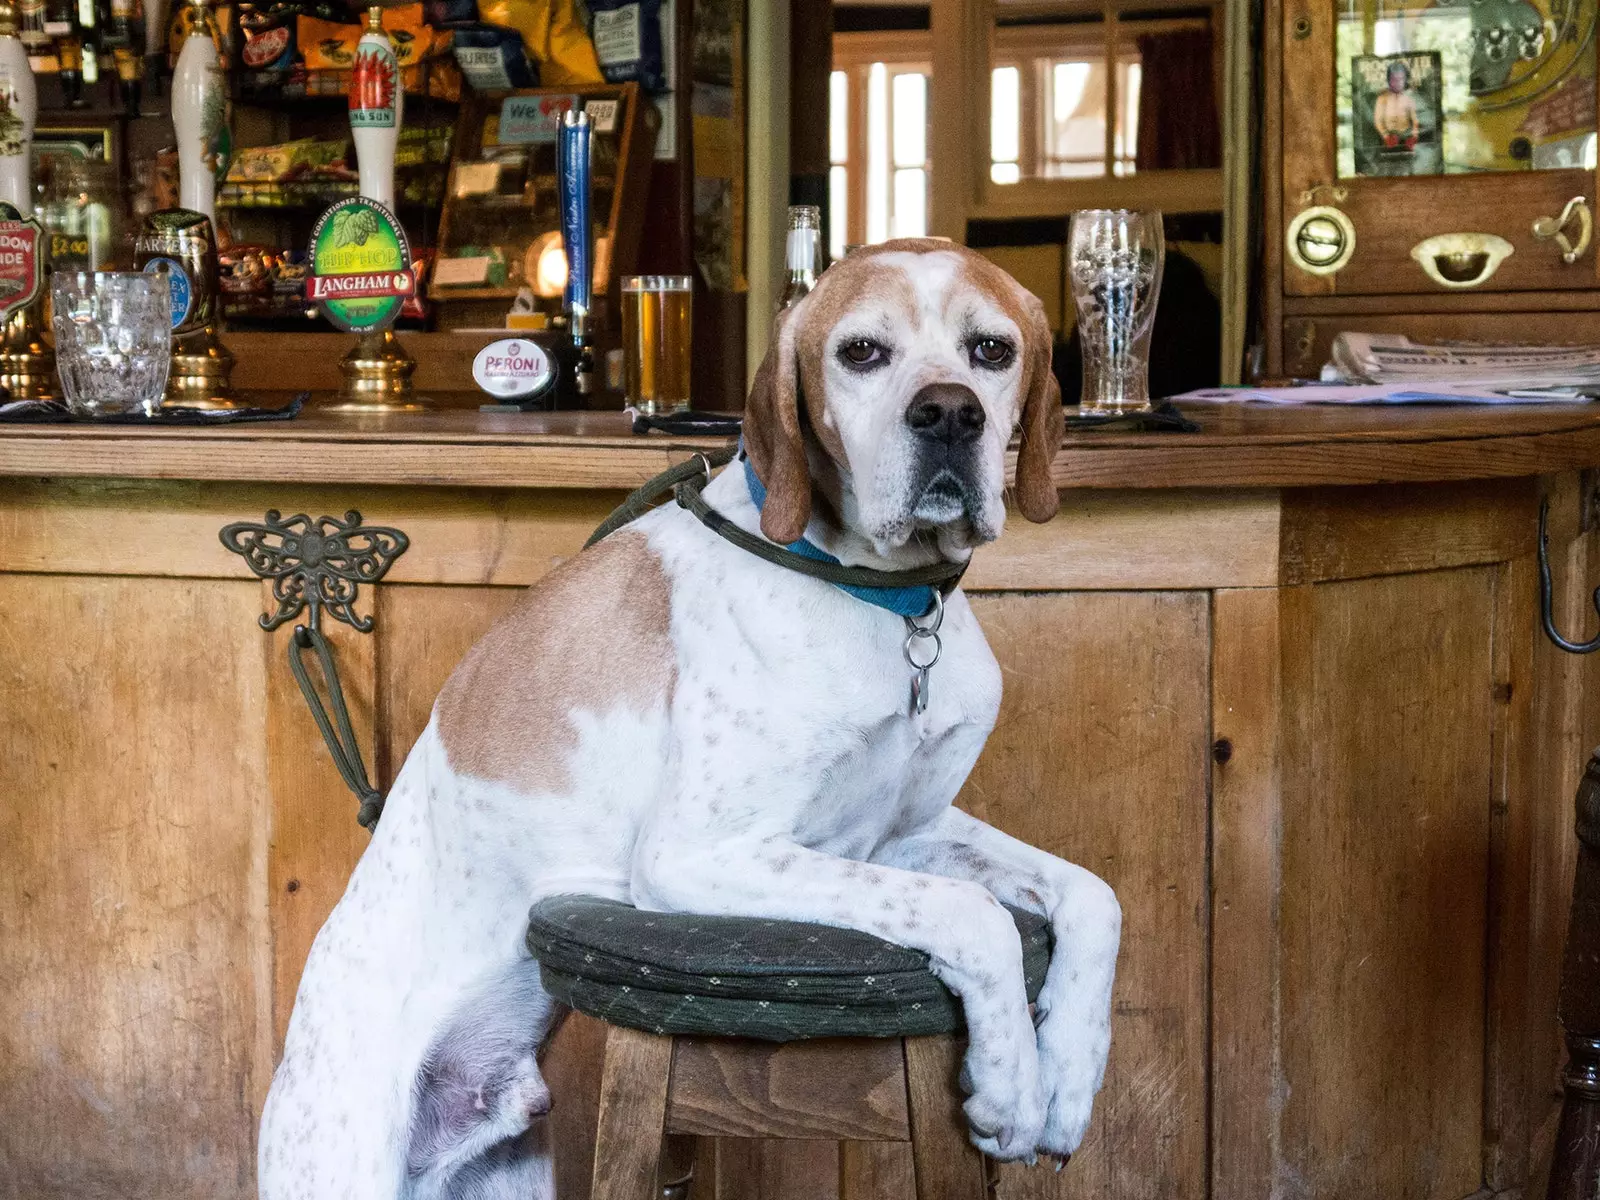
(573, 167)
(22, 98)
(197, 111)
(377, 110)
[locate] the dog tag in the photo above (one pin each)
(919, 692)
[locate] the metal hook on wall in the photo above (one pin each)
(1547, 592)
(320, 565)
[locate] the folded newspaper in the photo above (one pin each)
(1390, 368)
(1395, 358)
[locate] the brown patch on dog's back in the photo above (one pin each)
(592, 636)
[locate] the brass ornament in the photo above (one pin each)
(1554, 229)
(376, 376)
(1321, 239)
(1461, 260)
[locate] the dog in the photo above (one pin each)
(669, 720)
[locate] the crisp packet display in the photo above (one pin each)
(554, 35)
(627, 41)
(493, 59)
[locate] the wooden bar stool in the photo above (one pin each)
(737, 1027)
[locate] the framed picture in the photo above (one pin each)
(1396, 114)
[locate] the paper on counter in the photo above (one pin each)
(1394, 358)
(1388, 393)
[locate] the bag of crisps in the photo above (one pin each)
(553, 32)
(328, 45)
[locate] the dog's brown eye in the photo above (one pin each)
(862, 352)
(991, 352)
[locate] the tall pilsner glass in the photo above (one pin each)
(1115, 258)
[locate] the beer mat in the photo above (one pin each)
(1163, 418)
(50, 412)
(688, 423)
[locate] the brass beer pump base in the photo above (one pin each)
(198, 377)
(377, 376)
(27, 364)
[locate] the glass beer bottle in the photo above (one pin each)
(802, 254)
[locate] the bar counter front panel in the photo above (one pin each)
(1281, 683)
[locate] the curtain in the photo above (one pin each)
(1178, 124)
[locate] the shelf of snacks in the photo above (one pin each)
(312, 173)
(499, 235)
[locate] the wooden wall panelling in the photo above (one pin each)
(1348, 533)
(458, 535)
(1101, 755)
(315, 840)
(1246, 877)
(134, 1028)
(1515, 625)
(1384, 867)
(1567, 718)
(469, 536)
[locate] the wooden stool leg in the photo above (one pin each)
(633, 1113)
(1575, 1173)
(948, 1165)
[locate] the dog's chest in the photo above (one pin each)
(800, 683)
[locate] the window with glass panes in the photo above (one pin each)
(878, 138)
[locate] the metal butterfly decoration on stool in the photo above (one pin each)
(318, 562)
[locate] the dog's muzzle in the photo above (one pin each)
(946, 421)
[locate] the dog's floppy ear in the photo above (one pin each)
(1042, 423)
(774, 440)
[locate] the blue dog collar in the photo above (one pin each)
(904, 601)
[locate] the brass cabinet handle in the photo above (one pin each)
(1548, 229)
(1461, 260)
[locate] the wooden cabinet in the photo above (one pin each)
(1490, 117)
(1312, 736)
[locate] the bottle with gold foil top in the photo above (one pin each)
(377, 108)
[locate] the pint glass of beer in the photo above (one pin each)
(657, 313)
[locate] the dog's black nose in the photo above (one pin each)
(945, 412)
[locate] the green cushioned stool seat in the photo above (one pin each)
(678, 973)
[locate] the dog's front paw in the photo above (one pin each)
(1072, 1062)
(1005, 1106)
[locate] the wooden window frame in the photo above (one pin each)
(966, 39)
(901, 51)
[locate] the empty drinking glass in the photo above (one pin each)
(1115, 259)
(113, 339)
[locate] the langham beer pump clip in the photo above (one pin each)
(360, 259)
(27, 364)
(182, 242)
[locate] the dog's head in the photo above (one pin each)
(894, 388)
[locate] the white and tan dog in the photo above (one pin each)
(669, 720)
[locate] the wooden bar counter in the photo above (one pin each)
(1280, 682)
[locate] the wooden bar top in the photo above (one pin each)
(1239, 445)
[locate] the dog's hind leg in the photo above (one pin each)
(478, 1100)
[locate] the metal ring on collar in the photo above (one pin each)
(911, 661)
